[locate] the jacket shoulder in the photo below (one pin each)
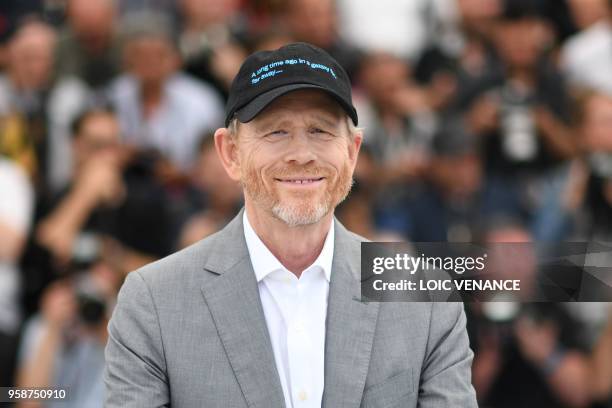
(184, 266)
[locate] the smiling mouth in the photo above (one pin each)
(299, 181)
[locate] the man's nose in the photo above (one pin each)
(300, 149)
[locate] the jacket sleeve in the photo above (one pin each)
(135, 372)
(446, 377)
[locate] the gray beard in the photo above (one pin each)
(294, 218)
(291, 215)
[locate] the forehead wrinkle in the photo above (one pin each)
(327, 120)
(273, 120)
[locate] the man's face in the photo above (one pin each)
(458, 176)
(92, 21)
(313, 21)
(208, 11)
(151, 59)
(99, 135)
(31, 56)
(296, 158)
(477, 11)
(384, 76)
(521, 42)
(587, 12)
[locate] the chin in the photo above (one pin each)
(295, 216)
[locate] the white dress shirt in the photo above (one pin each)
(295, 311)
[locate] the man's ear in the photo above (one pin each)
(227, 150)
(353, 148)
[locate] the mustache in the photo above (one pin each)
(302, 171)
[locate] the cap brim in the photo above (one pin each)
(253, 108)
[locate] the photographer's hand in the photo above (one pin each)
(99, 183)
(536, 341)
(483, 117)
(567, 372)
(101, 180)
(487, 362)
(558, 137)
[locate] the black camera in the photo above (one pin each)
(92, 309)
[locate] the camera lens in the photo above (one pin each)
(91, 309)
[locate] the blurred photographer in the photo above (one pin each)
(209, 41)
(88, 47)
(97, 184)
(521, 114)
(524, 100)
(63, 345)
(107, 208)
(526, 354)
(399, 122)
(317, 22)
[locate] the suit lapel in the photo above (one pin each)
(350, 327)
(234, 303)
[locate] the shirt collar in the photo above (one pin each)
(264, 262)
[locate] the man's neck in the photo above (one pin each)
(151, 95)
(295, 247)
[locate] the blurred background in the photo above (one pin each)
(485, 121)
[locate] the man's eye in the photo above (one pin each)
(276, 133)
(321, 134)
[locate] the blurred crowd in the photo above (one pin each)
(485, 121)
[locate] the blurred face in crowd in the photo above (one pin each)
(313, 21)
(511, 255)
(151, 59)
(520, 42)
(205, 12)
(384, 77)
(98, 136)
(597, 123)
(296, 159)
(475, 13)
(30, 56)
(273, 42)
(458, 176)
(92, 21)
(587, 12)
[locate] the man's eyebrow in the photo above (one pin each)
(266, 124)
(285, 122)
(327, 120)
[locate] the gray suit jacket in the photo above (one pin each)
(189, 331)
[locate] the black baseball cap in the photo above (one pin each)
(267, 75)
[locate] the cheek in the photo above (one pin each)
(337, 156)
(254, 165)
